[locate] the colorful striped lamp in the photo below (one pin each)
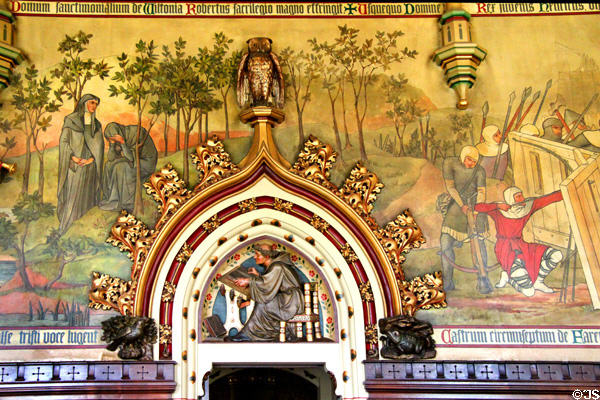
(459, 57)
(10, 56)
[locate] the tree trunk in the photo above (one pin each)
(400, 138)
(347, 137)
(61, 268)
(138, 205)
(226, 116)
(201, 139)
(166, 134)
(423, 145)
(300, 127)
(361, 139)
(23, 271)
(205, 126)
(22, 264)
(41, 175)
(338, 140)
(177, 146)
(27, 168)
(186, 142)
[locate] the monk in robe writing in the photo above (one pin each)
(277, 294)
(524, 265)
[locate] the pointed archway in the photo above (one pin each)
(330, 228)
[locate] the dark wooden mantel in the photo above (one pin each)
(479, 379)
(93, 379)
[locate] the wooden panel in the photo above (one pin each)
(88, 379)
(388, 379)
(582, 202)
(531, 157)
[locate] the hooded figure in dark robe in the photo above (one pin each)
(118, 184)
(277, 295)
(81, 156)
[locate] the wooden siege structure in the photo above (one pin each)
(541, 166)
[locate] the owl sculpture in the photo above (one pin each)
(260, 79)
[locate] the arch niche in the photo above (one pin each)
(330, 229)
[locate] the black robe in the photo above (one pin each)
(79, 187)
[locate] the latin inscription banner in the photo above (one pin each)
(517, 336)
(281, 9)
(50, 338)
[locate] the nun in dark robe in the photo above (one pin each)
(118, 184)
(81, 156)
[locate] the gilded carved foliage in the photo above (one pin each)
(213, 163)
(247, 205)
(165, 334)
(282, 205)
(111, 293)
(212, 224)
(366, 293)
(132, 236)
(168, 292)
(423, 292)
(319, 223)
(168, 191)
(371, 333)
(348, 254)
(360, 190)
(314, 162)
(184, 253)
(398, 237)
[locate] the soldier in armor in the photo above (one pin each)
(580, 136)
(465, 182)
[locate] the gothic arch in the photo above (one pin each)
(360, 261)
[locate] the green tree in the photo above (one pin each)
(361, 61)
(191, 91)
(136, 80)
(9, 141)
(74, 71)
(393, 89)
(67, 250)
(207, 71)
(29, 208)
(164, 103)
(32, 98)
(301, 70)
(461, 124)
(224, 72)
(210, 103)
(171, 67)
(333, 81)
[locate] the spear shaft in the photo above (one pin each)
(511, 99)
(548, 85)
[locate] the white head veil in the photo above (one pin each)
(469, 151)
(489, 147)
(517, 210)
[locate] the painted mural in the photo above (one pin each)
(100, 104)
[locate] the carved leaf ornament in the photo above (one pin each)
(314, 163)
